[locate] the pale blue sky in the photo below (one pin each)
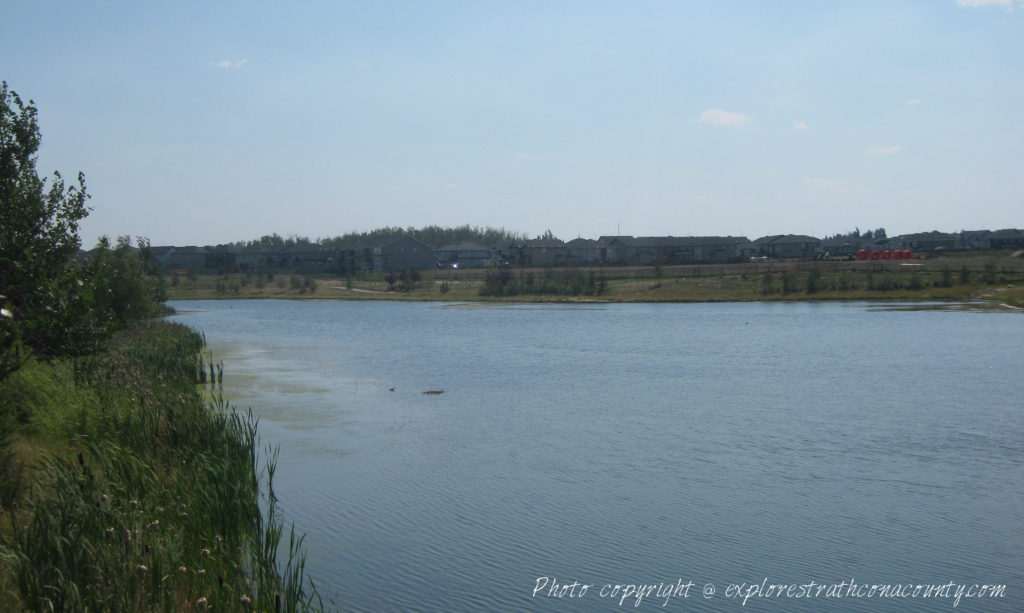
(201, 123)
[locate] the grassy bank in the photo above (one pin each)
(122, 490)
(955, 277)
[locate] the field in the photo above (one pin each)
(994, 278)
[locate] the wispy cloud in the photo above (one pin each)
(725, 119)
(914, 101)
(973, 3)
(799, 125)
(228, 64)
(883, 149)
(525, 156)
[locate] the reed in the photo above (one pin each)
(144, 497)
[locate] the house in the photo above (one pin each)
(843, 246)
(648, 250)
(507, 252)
(786, 246)
(253, 259)
(583, 252)
(162, 255)
(403, 253)
(190, 258)
(544, 252)
(972, 239)
(711, 249)
(303, 258)
(221, 258)
(928, 241)
(463, 255)
(1004, 239)
(613, 248)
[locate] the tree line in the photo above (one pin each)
(432, 235)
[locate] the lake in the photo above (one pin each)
(697, 457)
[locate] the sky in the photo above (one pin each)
(212, 122)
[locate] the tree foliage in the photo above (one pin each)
(38, 231)
(50, 304)
(435, 236)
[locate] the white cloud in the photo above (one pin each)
(913, 101)
(725, 119)
(525, 156)
(799, 125)
(1008, 3)
(883, 149)
(227, 64)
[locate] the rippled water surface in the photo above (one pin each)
(636, 444)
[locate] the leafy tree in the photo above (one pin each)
(38, 234)
(122, 284)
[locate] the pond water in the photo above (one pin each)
(638, 445)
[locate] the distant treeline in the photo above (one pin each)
(431, 235)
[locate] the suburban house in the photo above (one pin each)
(221, 258)
(646, 250)
(162, 255)
(402, 253)
(843, 246)
(507, 252)
(583, 251)
(190, 258)
(1004, 239)
(303, 258)
(928, 241)
(613, 249)
(252, 259)
(544, 252)
(463, 255)
(785, 246)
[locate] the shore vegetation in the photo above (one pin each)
(992, 278)
(124, 486)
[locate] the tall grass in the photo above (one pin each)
(148, 499)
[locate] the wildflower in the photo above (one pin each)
(201, 604)
(110, 533)
(201, 572)
(246, 601)
(219, 539)
(154, 525)
(159, 510)
(134, 504)
(205, 552)
(182, 570)
(104, 498)
(127, 536)
(142, 570)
